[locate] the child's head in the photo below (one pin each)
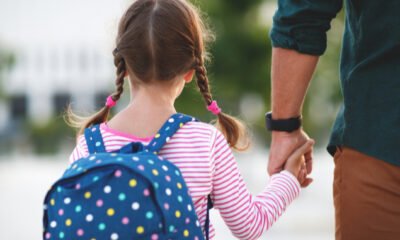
(157, 41)
(160, 39)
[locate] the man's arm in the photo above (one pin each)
(291, 74)
(298, 37)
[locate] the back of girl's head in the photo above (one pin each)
(158, 40)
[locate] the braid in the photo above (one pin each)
(102, 115)
(119, 63)
(233, 130)
(202, 81)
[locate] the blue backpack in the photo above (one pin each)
(129, 194)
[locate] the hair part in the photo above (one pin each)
(158, 40)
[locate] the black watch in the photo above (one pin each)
(282, 125)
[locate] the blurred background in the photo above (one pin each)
(58, 52)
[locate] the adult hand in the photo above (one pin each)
(282, 146)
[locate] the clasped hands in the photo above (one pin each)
(292, 152)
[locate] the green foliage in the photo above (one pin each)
(48, 138)
(239, 56)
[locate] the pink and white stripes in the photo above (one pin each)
(208, 166)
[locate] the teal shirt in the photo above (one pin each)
(369, 119)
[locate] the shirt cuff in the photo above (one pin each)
(288, 183)
(303, 41)
(293, 179)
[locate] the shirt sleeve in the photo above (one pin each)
(80, 150)
(247, 216)
(301, 25)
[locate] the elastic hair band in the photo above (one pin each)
(110, 102)
(214, 108)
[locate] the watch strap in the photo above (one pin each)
(284, 125)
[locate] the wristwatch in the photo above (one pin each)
(282, 125)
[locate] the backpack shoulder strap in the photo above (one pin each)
(169, 128)
(94, 140)
(210, 205)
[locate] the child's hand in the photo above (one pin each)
(296, 163)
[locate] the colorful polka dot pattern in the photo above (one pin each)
(124, 195)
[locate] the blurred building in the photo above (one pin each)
(62, 52)
(44, 79)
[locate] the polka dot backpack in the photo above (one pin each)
(129, 194)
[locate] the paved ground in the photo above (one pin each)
(25, 179)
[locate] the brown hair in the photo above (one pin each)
(158, 40)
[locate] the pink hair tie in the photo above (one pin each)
(110, 102)
(213, 107)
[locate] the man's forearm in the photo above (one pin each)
(291, 74)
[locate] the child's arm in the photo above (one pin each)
(247, 216)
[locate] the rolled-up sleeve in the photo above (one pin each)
(301, 25)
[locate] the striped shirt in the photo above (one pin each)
(208, 166)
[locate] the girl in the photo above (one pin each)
(160, 47)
